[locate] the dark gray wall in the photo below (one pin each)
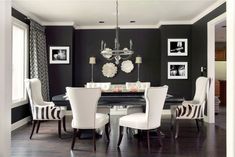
(23, 111)
(60, 75)
(199, 38)
(146, 44)
(176, 87)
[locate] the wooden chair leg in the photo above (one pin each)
(160, 136)
(59, 128)
(94, 139)
(34, 124)
(74, 138)
(64, 124)
(38, 126)
(197, 125)
(120, 135)
(176, 129)
(109, 123)
(107, 131)
(148, 141)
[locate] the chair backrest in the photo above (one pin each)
(103, 85)
(140, 86)
(33, 87)
(201, 89)
(83, 103)
(155, 99)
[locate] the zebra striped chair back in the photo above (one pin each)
(42, 110)
(193, 109)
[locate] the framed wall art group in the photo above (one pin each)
(177, 47)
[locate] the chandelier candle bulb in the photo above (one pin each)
(92, 60)
(138, 60)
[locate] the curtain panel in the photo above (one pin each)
(38, 57)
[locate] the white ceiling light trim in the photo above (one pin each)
(207, 10)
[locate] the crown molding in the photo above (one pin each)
(28, 14)
(207, 11)
(65, 23)
(121, 26)
(158, 25)
(187, 22)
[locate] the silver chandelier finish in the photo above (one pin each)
(116, 53)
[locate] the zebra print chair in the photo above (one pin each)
(40, 109)
(193, 109)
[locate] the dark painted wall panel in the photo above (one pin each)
(60, 75)
(20, 112)
(199, 38)
(176, 87)
(146, 44)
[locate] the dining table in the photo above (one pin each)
(120, 99)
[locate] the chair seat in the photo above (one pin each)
(189, 111)
(135, 120)
(100, 120)
(48, 113)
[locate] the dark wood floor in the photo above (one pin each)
(209, 142)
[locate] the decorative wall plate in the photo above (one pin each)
(109, 70)
(127, 66)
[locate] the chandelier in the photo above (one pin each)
(116, 53)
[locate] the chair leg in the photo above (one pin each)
(120, 135)
(34, 124)
(176, 129)
(107, 131)
(94, 139)
(148, 141)
(197, 125)
(38, 126)
(64, 124)
(59, 128)
(160, 136)
(74, 138)
(109, 123)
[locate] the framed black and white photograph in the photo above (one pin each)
(177, 47)
(59, 55)
(177, 70)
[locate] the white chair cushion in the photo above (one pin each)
(100, 120)
(135, 121)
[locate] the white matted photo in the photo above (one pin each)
(59, 55)
(177, 47)
(177, 70)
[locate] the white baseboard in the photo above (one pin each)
(20, 123)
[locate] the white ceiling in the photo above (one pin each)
(87, 13)
(220, 32)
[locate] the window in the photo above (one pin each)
(19, 62)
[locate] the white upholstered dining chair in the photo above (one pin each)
(151, 119)
(193, 109)
(42, 110)
(83, 103)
